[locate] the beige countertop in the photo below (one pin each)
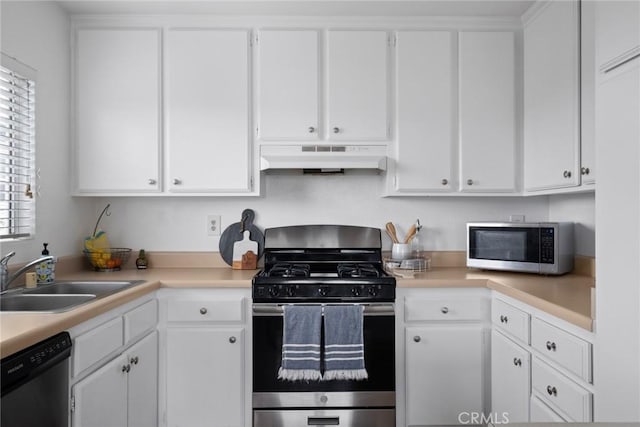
(568, 297)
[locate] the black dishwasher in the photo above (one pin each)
(35, 384)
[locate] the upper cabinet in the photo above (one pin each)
(357, 86)
(288, 85)
(117, 110)
(552, 97)
(619, 38)
(207, 107)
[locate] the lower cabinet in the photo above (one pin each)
(122, 392)
(510, 380)
(205, 369)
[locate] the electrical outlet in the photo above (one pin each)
(516, 218)
(213, 225)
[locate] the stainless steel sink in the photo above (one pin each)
(46, 303)
(94, 287)
(61, 296)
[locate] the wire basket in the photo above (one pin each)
(108, 259)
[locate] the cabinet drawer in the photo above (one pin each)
(140, 320)
(561, 392)
(227, 310)
(569, 351)
(444, 308)
(541, 413)
(510, 319)
(94, 345)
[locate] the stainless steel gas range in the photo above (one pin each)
(324, 265)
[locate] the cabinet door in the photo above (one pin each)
(143, 382)
(487, 112)
(510, 378)
(541, 413)
(551, 97)
(444, 376)
(587, 93)
(117, 110)
(101, 398)
(207, 111)
(205, 377)
(288, 85)
(425, 111)
(357, 85)
(619, 32)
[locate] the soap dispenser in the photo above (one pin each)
(45, 271)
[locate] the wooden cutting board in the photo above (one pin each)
(234, 233)
(245, 253)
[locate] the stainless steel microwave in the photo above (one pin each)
(541, 247)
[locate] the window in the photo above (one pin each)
(17, 149)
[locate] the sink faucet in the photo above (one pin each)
(5, 279)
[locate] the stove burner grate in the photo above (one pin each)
(357, 270)
(289, 270)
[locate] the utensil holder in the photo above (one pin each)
(400, 251)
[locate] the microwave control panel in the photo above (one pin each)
(547, 241)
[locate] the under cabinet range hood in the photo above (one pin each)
(323, 157)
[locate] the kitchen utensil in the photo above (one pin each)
(234, 233)
(391, 231)
(245, 253)
(410, 234)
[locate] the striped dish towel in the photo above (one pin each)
(301, 343)
(344, 343)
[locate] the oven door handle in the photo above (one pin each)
(373, 309)
(323, 421)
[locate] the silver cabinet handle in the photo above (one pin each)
(585, 171)
(152, 181)
(444, 310)
(312, 129)
(504, 319)
(336, 130)
(126, 368)
(417, 338)
(177, 181)
(444, 181)
(203, 310)
(134, 360)
(552, 391)
(469, 182)
(517, 361)
(551, 346)
(232, 340)
(566, 174)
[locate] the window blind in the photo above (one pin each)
(17, 150)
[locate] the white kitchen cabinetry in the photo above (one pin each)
(288, 85)
(357, 85)
(541, 413)
(205, 367)
(114, 378)
(425, 93)
(618, 39)
(587, 93)
(445, 344)
(487, 122)
(510, 378)
(117, 110)
(207, 111)
(552, 97)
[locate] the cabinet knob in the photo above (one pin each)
(312, 129)
(551, 346)
(417, 338)
(566, 174)
(552, 391)
(232, 340)
(444, 181)
(126, 368)
(444, 310)
(134, 360)
(503, 319)
(203, 310)
(336, 130)
(177, 181)
(517, 361)
(469, 182)
(152, 181)
(585, 171)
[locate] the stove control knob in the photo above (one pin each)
(274, 291)
(373, 291)
(291, 291)
(356, 292)
(323, 291)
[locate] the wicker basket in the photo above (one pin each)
(110, 259)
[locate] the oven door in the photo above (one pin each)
(378, 391)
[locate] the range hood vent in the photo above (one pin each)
(323, 157)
